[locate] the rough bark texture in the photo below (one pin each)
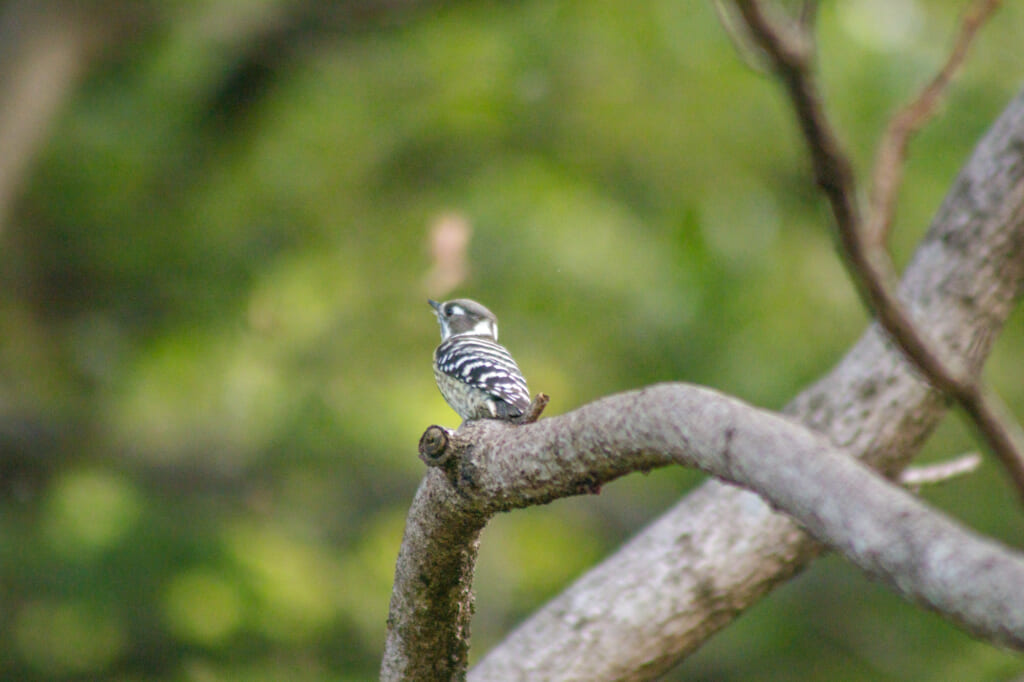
(431, 616)
(876, 524)
(721, 549)
(490, 466)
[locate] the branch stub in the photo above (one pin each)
(434, 442)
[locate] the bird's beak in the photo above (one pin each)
(435, 305)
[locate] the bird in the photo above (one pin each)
(477, 376)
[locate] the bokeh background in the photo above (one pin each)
(220, 222)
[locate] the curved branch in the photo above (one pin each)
(720, 549)
(877, 525)
(890, 534)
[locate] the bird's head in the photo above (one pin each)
(463, 316)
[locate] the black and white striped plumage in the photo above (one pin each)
(475, 373)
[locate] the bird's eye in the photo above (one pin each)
(456, 310)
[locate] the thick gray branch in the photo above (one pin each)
(495, 466)
(721, 549)
(876, 524)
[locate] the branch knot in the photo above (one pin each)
(434, 442)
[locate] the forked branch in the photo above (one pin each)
(490, 466)
(786, 44)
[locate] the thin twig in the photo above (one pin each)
(940, 472)
(888, 170)
(533, 412)
(872, 269)
(749, 54)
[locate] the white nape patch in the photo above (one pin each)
(486, 327)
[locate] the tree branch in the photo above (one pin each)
(940, 472)
(46, 46)
(872, 269)
(892, 151)
(493, 466)
(432, 601)
(721, 549)
(42, 56)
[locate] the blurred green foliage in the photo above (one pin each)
(215, 345)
